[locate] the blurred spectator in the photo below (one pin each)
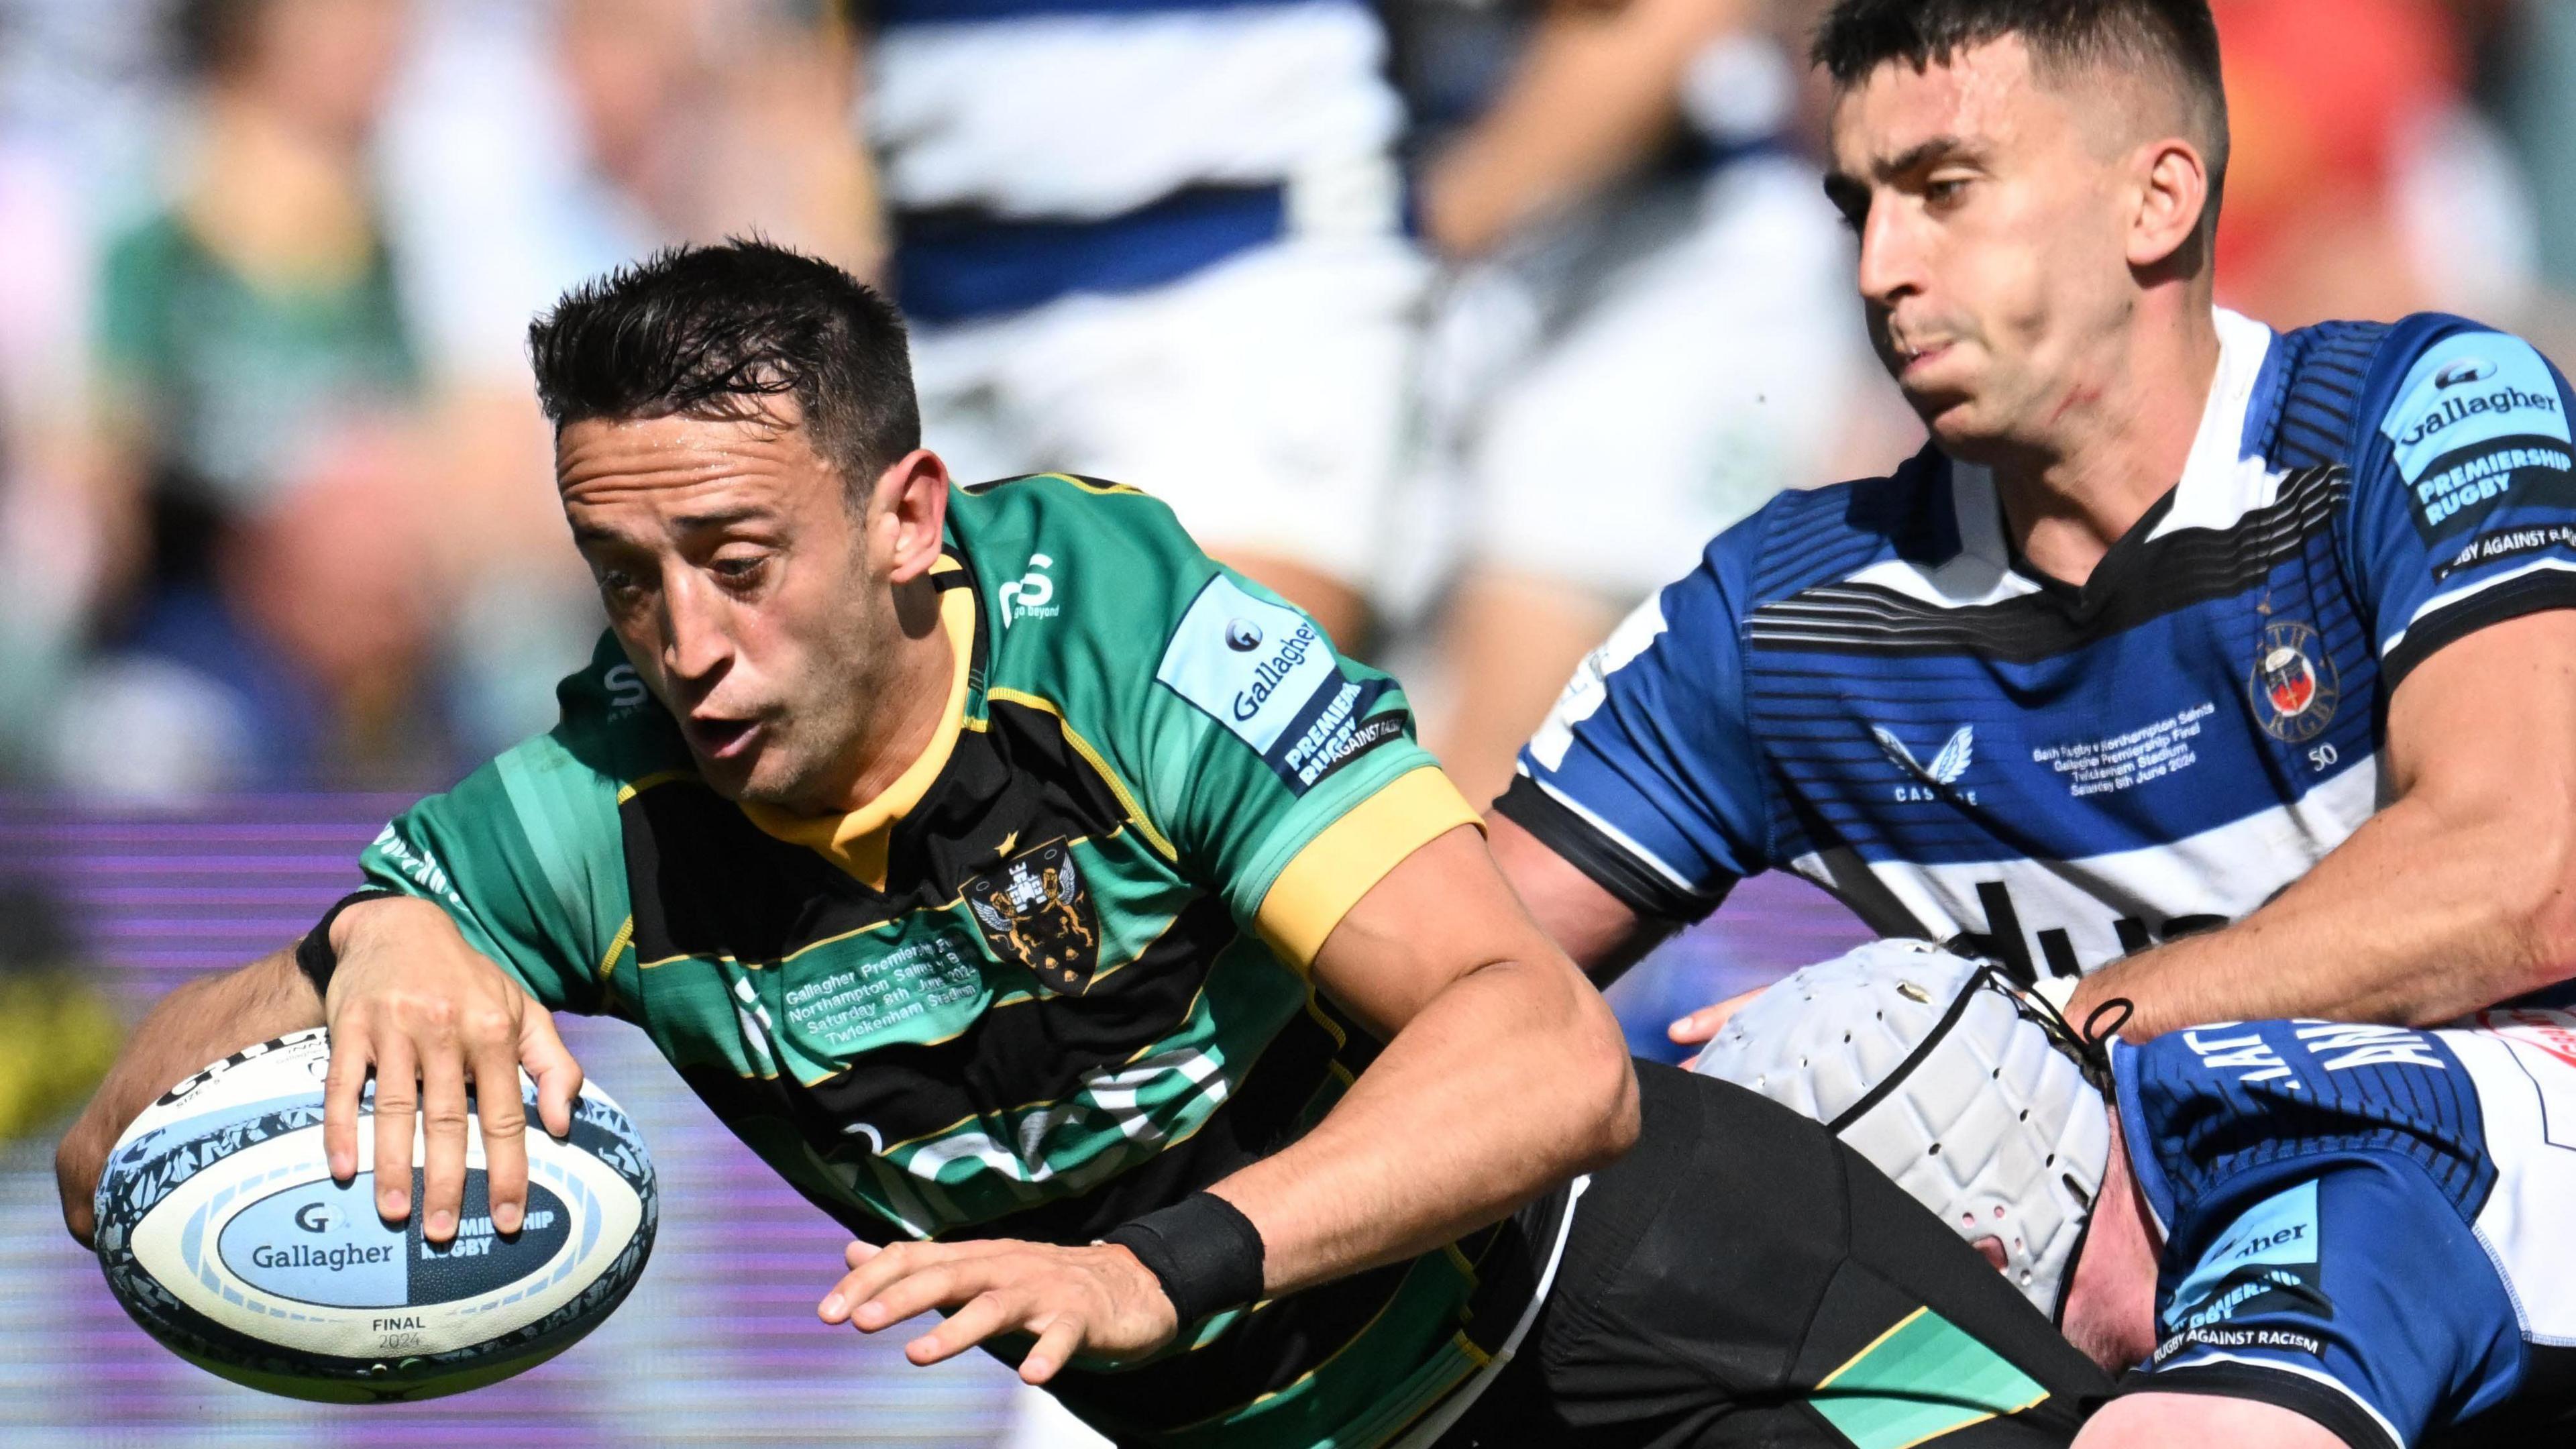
(1161, 243)
(45, 566)
(1651, 330)
(2530, 49)
(308, 532)
(536, 143)
(254, 357)
(2361, 183)
(58, 1033)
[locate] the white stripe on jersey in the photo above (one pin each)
(2449, 597)
(2219, 486)
(2225, 484)
(1087, 116)
(2526, 1085)
(2227, 871)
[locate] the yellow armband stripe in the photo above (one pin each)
(1320, 885)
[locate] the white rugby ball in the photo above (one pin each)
(222, 1233)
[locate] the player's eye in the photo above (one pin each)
(1946, 192)
(740, 570)
(619, 587)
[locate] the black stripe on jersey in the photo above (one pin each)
(2159, 576)
(1639, 886)
(2335, 1412)
(2530, 594)
(2316, 406)
(707, 882)
(1032, 1051)
(1284, 1092)
(2541, 1411)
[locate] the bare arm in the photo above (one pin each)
(1589, 924)
(1595, 93)
(411, 1002)
(200, 1022)
(1483, 1011)
(2159, 1421)
(2459, 894)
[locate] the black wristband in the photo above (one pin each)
(314, 955)
(1202, 1249)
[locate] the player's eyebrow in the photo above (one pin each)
(721, 518)
(1925, 154)
(1843, 187)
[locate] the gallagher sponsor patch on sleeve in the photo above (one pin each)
(2265, 1263)
(2479, 420)
(1266, 673)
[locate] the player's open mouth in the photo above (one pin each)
(723, 739)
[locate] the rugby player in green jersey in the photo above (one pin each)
(1057, 910)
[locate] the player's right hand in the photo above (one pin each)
(429, 1013)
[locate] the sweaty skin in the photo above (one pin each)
(727, 580)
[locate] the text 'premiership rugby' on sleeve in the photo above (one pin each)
(2463, 510)
(1869, 686)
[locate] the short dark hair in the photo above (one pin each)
(717, 331)
(2179, 36)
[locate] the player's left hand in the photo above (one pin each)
(1702, 1026)
(1096, 1300)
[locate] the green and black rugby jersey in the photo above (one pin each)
(1053, 978)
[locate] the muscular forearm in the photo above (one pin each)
(2423, 914)
(200, 1022)
(1513, 1079)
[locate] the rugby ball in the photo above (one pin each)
(223, 1235)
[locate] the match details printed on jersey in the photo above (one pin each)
(1265, 672)
(2479, 420)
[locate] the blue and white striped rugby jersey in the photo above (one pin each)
(1860, 685)
(1034, 149)
(2364, 1224)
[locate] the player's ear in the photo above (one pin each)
(907, 508)
(2172, 191)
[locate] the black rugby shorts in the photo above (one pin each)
(1742, 1278)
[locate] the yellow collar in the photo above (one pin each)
(856, 842)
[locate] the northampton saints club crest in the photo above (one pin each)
(1034, 911)
(2294, 685)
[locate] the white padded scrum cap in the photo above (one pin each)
(1977, 1113)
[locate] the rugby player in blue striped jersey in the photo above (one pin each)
(2228, 670)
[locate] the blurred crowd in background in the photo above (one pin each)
(1463, 322)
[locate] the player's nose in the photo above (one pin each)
(696, 643)
(1890, 263)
